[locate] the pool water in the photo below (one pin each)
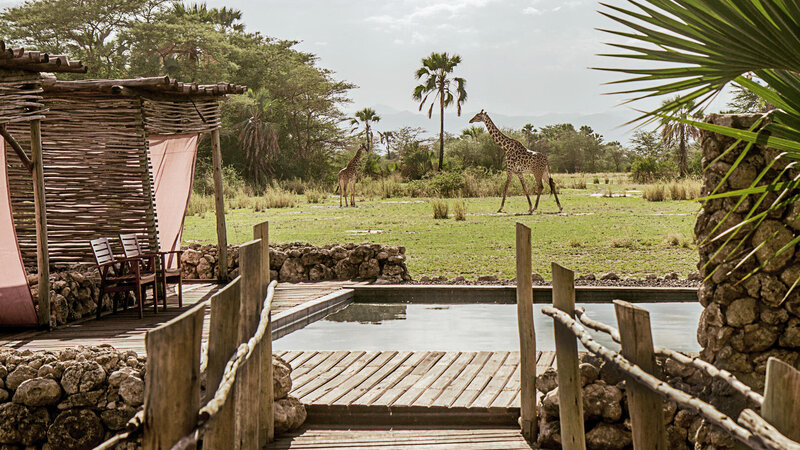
(471, 327)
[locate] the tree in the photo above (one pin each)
(679, 131)
(365, 117)
(646, 144)
(435, 75)
(472, 132)
(387, 138)
(258, 136)
(529, 132)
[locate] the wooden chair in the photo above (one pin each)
(164, 274)
(122, 275)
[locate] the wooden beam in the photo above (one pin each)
(17, 148)
(267, 432)
(645, 406)
(570, 400)
(527, 338)
(219, 207)
(40, 206)
(782, 397)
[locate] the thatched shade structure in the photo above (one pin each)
(21, 107)
(99, 138)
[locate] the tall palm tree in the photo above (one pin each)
(435, 75)
(679, 132)
(706, 45)
(387, 138)
(365, 117)
(530, 134)
(472, 132)
(258, 137)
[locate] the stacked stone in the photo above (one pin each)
(73, 294)
(605, 408)
(744, 323)
(289, 412)
(73, 398)
(298, 262)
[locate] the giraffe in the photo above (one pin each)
(519, 160)
(347, 177)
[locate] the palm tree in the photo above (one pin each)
(364, 117)
(472, 132)
(680, 132)
(434, 73)
(530, 134)
(706, 45)
(387, 138)
(258, 137)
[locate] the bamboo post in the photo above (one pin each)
(219, 207)
(172, 379)
(261, 231)
(248, 388)
(527, 337)
(645, 406)
(570, 402)
(781, 398)
(223, 339)
(40, 206)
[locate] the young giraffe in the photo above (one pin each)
(519, 160)
(347, 177)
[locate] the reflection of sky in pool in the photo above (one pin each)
(471, 327)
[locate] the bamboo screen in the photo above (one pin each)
(20, 96)
(189, 115)
(97, 177)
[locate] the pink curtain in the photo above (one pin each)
(16, 302)
(173, 159)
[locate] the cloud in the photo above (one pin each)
(531, 11)
(423, 12)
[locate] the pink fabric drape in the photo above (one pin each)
(173, 158)
(16, 302)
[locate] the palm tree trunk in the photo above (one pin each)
(441, 129)
(682, 153)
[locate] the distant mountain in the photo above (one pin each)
(609, 124)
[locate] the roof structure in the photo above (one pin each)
(33, 61)
(153, 85)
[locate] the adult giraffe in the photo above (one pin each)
(520, 160)
(348, 176)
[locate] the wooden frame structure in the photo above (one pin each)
(96, 163)
(21, 104)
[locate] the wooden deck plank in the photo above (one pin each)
(370, 383)
(337, 386)
(509, 391)
(480, 380)
(390, 380)
(349, 386)
(497, 382)
(452, 392)
(390, 395)
(425, 380)
(332, 366)
(445, 379)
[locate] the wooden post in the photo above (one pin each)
(40, 207)
(645, 406)
(527, 338)
(172, 379)
(781, 398)
(248, 388)
(223, 340)
(261, 231)
(570, 401)
(219, 207)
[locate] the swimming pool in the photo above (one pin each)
(471, 327)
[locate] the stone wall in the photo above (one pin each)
(298, 262)
(605, 408)
(74, 294)
(744, 323)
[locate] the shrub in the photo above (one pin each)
(295, 185)
(596, 180)
(650, 169)
(678, 240)
(447, 184)
(655, 193)
(199, 204)
(275, 198)
(315, 195)
(460, 209)
(440, 208)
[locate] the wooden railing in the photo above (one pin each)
(777, 427)
(238, 411)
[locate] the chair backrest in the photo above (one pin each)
(102, 251)
(130, 245)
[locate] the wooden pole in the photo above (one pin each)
(527, 337)
(781, 407)
(570, 402)
(645, 406)
(261, 232)
(16, 147)
(219, 207)
(223, 340)
(248, 383)
(40, 206)
(172, 379)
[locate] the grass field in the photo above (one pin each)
(595, 233)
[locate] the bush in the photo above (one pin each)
(649, 169)
(446, 184)
(315, 195)
(460, 209)
(199, 204)
(440, 208)
(655, 193)
(275, 198)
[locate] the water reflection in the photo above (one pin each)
(368, 313)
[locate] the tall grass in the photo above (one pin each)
(275, 198)
(460, 209)
(687, 189)
(314, 195)
(440, 208)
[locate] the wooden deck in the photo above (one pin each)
(407, 388)
(125, 331)
(398, 438)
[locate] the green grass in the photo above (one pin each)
(626, 235)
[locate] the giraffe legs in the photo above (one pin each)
(525, 190)
(538, 194)
(353, 194)
(505, 191)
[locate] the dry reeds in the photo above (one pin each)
(460, 209)
(440, 208)
(315, 195)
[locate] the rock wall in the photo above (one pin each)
(605, 408)
(745, 323)
(77, 398)
(74, 294)
(298, 262)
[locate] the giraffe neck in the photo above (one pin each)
(499, 138)
(354, 162)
